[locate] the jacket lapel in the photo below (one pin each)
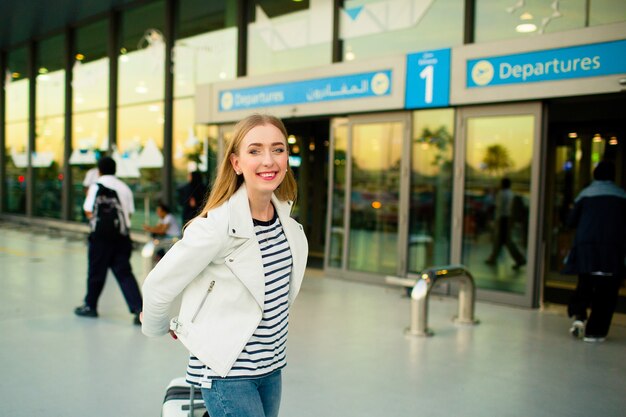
(241, 228)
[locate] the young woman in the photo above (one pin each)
(239, 267)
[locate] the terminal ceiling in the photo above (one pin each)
(22, 20)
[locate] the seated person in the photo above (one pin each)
(167, 225)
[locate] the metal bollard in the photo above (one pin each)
(422, 289)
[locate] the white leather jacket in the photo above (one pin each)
(218, 270)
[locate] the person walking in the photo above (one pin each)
(108, 206)
(597, 255)
(504, 220)
(191, 196)
(239, 267)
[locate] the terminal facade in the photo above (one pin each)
(404, 117)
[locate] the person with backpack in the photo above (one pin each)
(108, 206)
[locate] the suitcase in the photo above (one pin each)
(180, 398)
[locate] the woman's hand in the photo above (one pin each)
(171, 331)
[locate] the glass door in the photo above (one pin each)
(366, 224)
(575, 150)
(495, 205)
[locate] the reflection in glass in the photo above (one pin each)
(431, 188)
(495, 219)
(47, 164)
(338, 198)
(90, 85)
(139, 157)
(89, 141)
(16, 139)
(497, 20)
(139, 150)
(47, 159)
(374, 199)
(205, 52)
(372, 28)
(287, 35)
(194, 148)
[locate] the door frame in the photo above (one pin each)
(403, 203)
(534, 260)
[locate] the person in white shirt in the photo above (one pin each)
(91, 177)
(110, 252)
(167, 225)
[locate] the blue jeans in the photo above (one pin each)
(253, 397)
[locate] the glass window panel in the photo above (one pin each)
(206, 49)
(371, 28)
(496, 20)
(287, 35)
(50, 77)
(90, 74)
(338, 203)
(16, 139)
(602, 12)
(431, 188)
(495, 221)
(374, 199)
(141, 67)
(17, 161)
(16, 89)
(139, 157)
(90, 124)
(89, 140)
(142, 55)
(47, 164)
(47, 158)
(194, 147)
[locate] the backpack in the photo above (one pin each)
(108, 217)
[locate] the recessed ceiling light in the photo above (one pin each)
(526, 28)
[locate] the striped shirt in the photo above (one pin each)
(265, 351)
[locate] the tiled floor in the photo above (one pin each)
(347, 354)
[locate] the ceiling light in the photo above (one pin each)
(572, 135)
(597, 138)
(526, 28)
(79, 57)
(526, 16)
(141, 89)
(613, 140)
(291, 139)
(43, 70)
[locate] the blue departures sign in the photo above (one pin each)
(549, 65)
(428, 79)
(370, 84)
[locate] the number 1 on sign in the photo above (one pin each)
(428, 75)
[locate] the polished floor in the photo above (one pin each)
(347, 353)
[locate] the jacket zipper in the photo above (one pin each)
(206, 295)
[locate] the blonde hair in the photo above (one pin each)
(228, 182)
